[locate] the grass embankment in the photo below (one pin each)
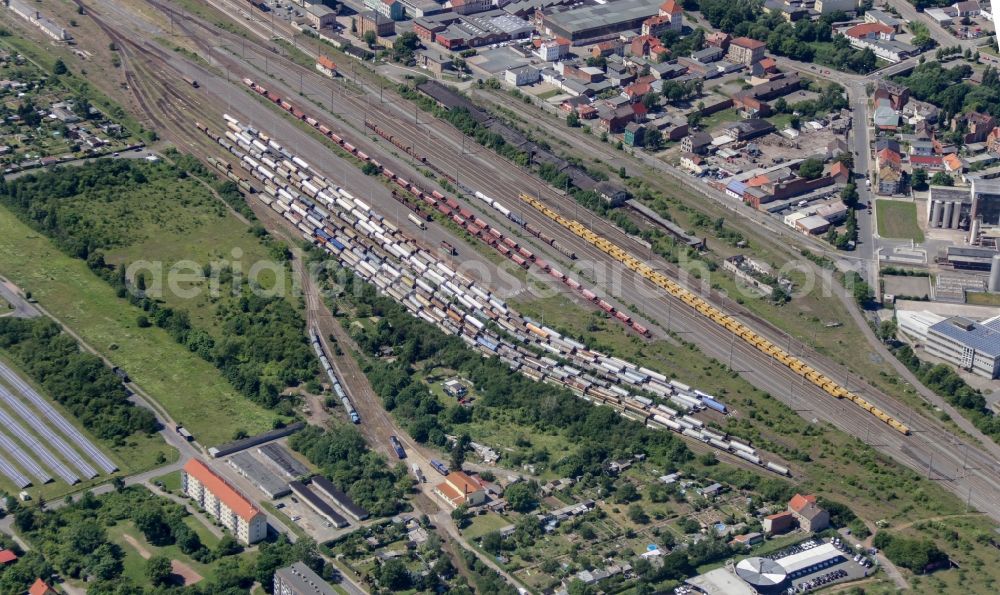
(897, 219)
(192, 391)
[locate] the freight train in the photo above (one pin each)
(717, 316)
(334, 382)
(378, 252)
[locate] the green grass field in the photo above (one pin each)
(189, 388)
(898, 219)
(982, 299)
(170, 482)
(131, 540)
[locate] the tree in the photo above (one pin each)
(887, 330)
(522, 496)
(142, 321)
(626, 492)
(849, 195)
(492, 542)
(159, 570)
(654, 139)
(810, 169)
(637, 515)
(393, 575)
(942, 179)
(370, 38)
(59, 68)
(572, 120)
(919, 179)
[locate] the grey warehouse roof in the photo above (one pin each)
(984, 338)
(589, 17)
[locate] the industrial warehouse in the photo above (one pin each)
(600, 21)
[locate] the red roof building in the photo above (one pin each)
(871, 31)
(220, 500)
(7, 556)
(40, 587)
(746, 51)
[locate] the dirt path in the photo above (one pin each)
(187, 574)
(132, 541)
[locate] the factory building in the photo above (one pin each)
(299, 579)
(986, 201)
(967, 344)
(949, 208)
(221, 501)
(598, 21)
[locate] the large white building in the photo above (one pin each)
(221, 501)
(299, 579)
(969, 345)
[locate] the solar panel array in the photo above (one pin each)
(36, 447)
(13, 474)
(50, 413)
(283, 459)
(11, 449)
(36, 424)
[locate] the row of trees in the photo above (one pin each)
(79, 381)
(364, 475)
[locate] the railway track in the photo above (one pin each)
(486, 173)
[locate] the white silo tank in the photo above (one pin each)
(936, 213)
(946, 217)
(994, 284)
(974, 232)
(956, 215)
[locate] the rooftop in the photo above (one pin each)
(808, 557)
(303, 580)
(222, 490)
(598, 15)
(984, 338)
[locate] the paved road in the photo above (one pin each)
(13, 296)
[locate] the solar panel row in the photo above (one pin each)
(13, 474)
(49, 412)
(36, 424)
(36, 447)
(11, 449)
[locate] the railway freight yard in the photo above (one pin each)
(718, 403)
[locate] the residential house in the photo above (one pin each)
(464, 7)
(790, 10)
(376, 22)
(953, 164)
(672, 128)
(832, 6)
(672, 12)
(718, 39)
(927, 162)
(749, 129)
(979, 126)
(321, 16)
(883, 18)
(551, 50)
(897, 94)
(606, 48)
(434, 61)
(810, 516)
(921, 148)
(967, 8)
(697, 143)
(7, 557)
(614, 120)
(648, 46)
(748, 539)
(746, 51)
(993, 141)
(888, 163)
(693, 163)
(458, 489)
(388, 8)
(840, 173)
(635, 134)
(40, 587)
(522, 75)
(749, 106)
(885, 117)
(326, 66)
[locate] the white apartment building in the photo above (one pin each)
(221, 501)
(969, 345)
